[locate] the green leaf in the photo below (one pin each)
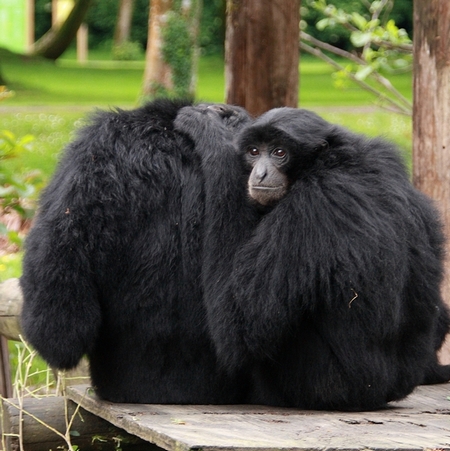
(323, 23)
(363, 72)
(375, 6)
(341, 16)
(359, 39)
(370, 55)
(359, 21)
(14, 237)
(26, 140)
(373, 23)
(401, 63)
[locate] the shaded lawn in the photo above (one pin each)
(101, 83)
(45, 83)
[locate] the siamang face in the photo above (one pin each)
(279, 147)
(268, 181)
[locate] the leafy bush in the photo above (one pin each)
(379, 47)
(178, 52)
(400, 11)
(127, 51)
(18, 191)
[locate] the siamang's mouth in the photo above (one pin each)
(267, 188)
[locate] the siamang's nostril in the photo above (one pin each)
(261, 174)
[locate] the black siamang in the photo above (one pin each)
(322, 264)
(112, 265)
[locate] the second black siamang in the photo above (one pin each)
(112, 264)
(322, 264)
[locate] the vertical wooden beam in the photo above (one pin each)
(262, 54)
(54, 12)
(431, 113)
(82, 43)
(30, 24)
(123, 23)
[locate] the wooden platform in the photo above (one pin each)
(421, 422)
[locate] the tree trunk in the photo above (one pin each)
(53, 44)
(123, 24)
(171, 58)
(157, 71)
(262, 54)
(431, 115)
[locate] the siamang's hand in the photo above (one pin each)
(211, 123)
(233, 117)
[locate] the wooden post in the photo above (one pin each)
(123, 23)
(262, 54)
(431, 114)
(82, 43)
(30, 24)
(6, 389)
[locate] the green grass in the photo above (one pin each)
(10, 266)
(100, 82)
(43, 83)
(51, 132)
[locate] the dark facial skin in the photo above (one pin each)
(267, 183)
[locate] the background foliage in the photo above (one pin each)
(399, 10)
(102, 15)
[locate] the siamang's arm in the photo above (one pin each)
(229, 221)
(228, 215)
(61, 313)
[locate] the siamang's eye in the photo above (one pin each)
(279, 153)
(253, 151)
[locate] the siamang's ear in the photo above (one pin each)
(322, 146)
(334, 137)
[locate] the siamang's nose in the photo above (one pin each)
(260, 171)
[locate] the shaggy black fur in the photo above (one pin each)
(331, 298)
(112, 264)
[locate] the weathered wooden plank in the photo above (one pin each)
(51, 411)
(421, 422)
